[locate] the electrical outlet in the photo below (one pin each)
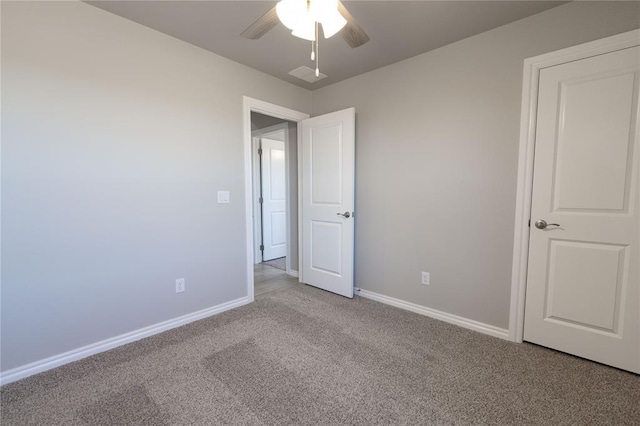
(179, 285)
(426, 278)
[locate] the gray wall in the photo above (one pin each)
(261, 121)
(292, 154)
(115, 139)
(437, 147)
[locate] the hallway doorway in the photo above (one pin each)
(268, 279)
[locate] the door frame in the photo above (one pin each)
(256, 135)
(255, 105)
(528, 118)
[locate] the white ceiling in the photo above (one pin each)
(398, 30)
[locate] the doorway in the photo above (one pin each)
(274, 190)
(273, 129)
(324, 199)
(275, 166)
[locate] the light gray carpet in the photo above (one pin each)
(280, 263)
(302, 356)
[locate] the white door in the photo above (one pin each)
(274, 215)
(583, 277)
(328, 162)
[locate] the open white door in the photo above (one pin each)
(583, 285)
(328, 167)
(274, 214)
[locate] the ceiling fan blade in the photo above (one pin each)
(262, 25)
(352, 33)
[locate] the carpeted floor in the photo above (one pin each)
(301, 356)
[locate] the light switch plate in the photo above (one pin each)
(223, 197)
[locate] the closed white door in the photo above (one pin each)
(274, 214)
(328, 166)
(583, 278)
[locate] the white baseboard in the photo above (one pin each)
(293, 273)
(439, 315)
(104, 345)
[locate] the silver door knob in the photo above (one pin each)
(541, 224)
(345, 214)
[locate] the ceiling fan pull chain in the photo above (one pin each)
(317, 52)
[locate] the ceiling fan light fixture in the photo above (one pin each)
(305, 29)
(321, 10)
(300, 16)
(290, 12)
(332, 24)
(331, 14)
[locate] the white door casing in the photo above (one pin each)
(583, 280)
(274, 217)
(328, 169)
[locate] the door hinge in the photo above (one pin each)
(259, 151)
(261, 247)
(529, 223)
(261, 200)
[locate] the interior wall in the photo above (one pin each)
(292, 158)
(261, 121)
(115, 141)
(436, 159)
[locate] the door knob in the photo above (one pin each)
(541, 224)
(345, 214)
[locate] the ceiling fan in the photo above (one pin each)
(304, 17)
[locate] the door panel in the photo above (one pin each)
(328, 153)
(274, 216)
(589, 177)
(591, 272)
(326, 239)
(583, 277)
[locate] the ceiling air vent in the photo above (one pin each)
(306, 74)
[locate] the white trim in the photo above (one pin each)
(255, 105)
(532, 67)
(113, 342)
(293, 273)
(299, 138)
(287, 182)
(480, 327)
